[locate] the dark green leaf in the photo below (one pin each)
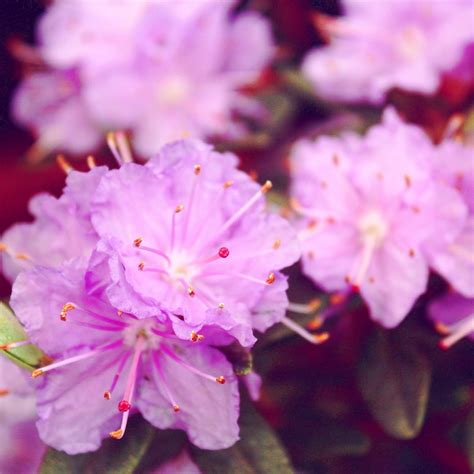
(117, 457)
(394, 378)
(29, 356)
(258, 452)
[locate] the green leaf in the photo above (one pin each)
(117, 457)
(28, 356)
(258, 452)
(394, 378)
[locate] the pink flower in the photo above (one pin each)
(160, 69)
(453, 315)
(20, 447)
(371, 208)
(378, 46)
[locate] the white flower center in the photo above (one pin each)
(173, 91)
(141, 328)
(373, 227)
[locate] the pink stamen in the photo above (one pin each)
(123, 360)
(220, 379)
(72, 360)
(154, 251)
(99, 327)
(92, 314)
(238, 214)
(222, 253)
(364, 263)
(458, 331)
(187, 216)
(159, 373)
(129, 390)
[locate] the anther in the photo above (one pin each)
(3, 247)
(116, 434)
(137, 242)
(176, 408)
(277, 244)
(441, 328)
(197, 169)
(107, 395)
(191, 291)
(124, 406)
(315, 323)
(220, 305)
(335, 160)
(411, 253)
(65, 309)
(21, 256)
(320, 338)
(64, 164)
(195, 337)
(270, 278)
(220, 379)
(91, 162)
(228, 183)
(224, 252)
(36, 373)
(141, 265)
(179, 208)
(119, 312)
(3, 392)
(267, 186)
(407, 181)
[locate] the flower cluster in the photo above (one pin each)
(376, 217)
(165, 264)
(160, 69)
(378, 46)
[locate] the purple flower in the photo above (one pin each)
(20, 447)
(172, 260)
(453, 315)
(61, 229)
(52, 105)
(108, 362)
(371, 209)
(202, 249)
(378, 46)
(160, 69)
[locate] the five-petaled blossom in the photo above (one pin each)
(185, 258)
(375, 216)
(378, 46)
(162, 70)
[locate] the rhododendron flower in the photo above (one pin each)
(453, 315)
(171, 259)
(188, 235)
(20, 447)
(371, 209)
(378, 46)
(107, 362)
(160, 69)
(61, 229)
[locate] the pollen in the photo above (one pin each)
(137, 242)
(65, 309)
(197, 169)
(407, 181)
(277, 244)
(21, 256)
(3, 247)
(176, 408)
(320, 338)
(36, 373)
(4, 392)
(179, 208)
(195, 337)
(228, 184)
(220, 305)
(191, 291)
(141, 265)
(107, 395)
(270, 278)
(116, 434)
(267, 186)
(220, 379)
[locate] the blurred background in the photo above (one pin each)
(312, 396)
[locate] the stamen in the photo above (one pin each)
(308, 308)
(160, 374)
(365, 259)
(220, 379)
(126, 402)
(91, 162)
(456, 331)
(269, 280)
(222, 253)
(220, 305)
(115, 148)
(228, 183)
(124, 147)
(263, 190)
(66, 308)
(71, 360)
(187, 217)
(12, 345)
(138, 243)
(191, 291)
(195, 337)
(123, 360)
(313, 338)
(64, 164)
